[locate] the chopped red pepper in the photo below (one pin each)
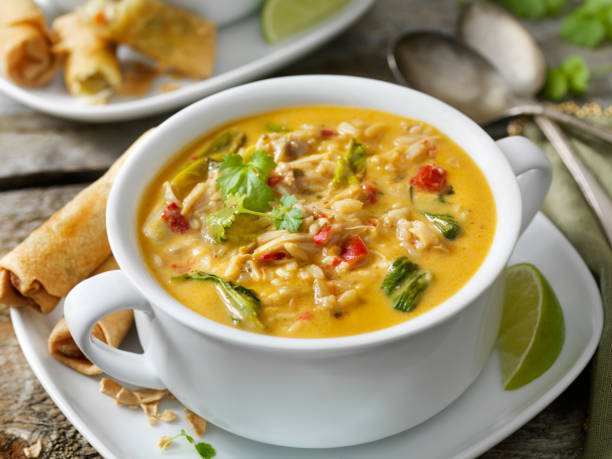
(182, 269)
(371, 191)
(100, 17)
(336, 261)
(324, 235)
(430, 177)
(274, 179)
(326, 133)
(174, 219)
(306, 315)
(272, 256)
(354, 249)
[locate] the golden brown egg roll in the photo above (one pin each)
(91, 68)
(63, 251)
(25, 44)
(111, 330)
(174, 37)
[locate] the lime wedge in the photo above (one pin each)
(282, 18)
(532, 329)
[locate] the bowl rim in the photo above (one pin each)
(284, 92)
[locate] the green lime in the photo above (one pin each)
(282, 18)
(532, 328)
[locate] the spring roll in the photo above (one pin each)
(110, 330)
(25, 44)
(62, 252)
(174, 37)
(91, 68)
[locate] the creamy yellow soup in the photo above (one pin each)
(337, 220)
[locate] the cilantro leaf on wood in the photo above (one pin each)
(237, 178)
(571, 76)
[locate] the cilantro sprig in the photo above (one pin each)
(246, 191)
(205, 450)
(533, 9)
(589, 25)
(572, 76)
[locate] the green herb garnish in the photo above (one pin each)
(286, 216)
(411, 295)
(237, 178)
(571, 77)
(401, 268)
(589, 24)
(351, 165)
(445, 223)
(276, 127)
(533, 9)
(205, 450)
(241, 302)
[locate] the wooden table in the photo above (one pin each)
(34, 143)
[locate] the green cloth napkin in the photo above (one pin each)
(567, 208)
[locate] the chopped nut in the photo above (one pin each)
(109, 387)
(167, 416)
(196, 422)
(151, 409)
(126, 397)
(150, 395)
(152, 420)
(33, 451)
(163, 441)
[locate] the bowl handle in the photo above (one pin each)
(533, 173)
(90, 301)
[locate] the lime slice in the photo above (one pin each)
(282, 18)
(532, 329)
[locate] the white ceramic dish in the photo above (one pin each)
(483, 415)
(220, 12)
(392, 379)
(242, 55)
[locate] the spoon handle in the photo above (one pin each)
(595, 194)
(535, 108)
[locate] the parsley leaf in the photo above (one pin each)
(288, 217)
(249, 180)
(572, 76)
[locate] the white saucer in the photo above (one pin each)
(483, 416)
(242, 55)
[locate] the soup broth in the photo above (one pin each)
(317, 222)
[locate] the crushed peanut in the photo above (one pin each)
(197, 423)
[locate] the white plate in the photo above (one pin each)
(480, 418)
(242, 55)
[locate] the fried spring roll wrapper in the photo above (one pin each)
(25, 44)
(111, 330)
(174, 37)
(62, 252)
(91, 68)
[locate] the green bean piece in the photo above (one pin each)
(411, 295)
(445, 223)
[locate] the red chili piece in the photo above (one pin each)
(174, 219)
(182, 269)
(336, 261)
(354, 249)
(272, 256)
(274, 179)
(430, 177)
(326, 133)
(371, 191)
(306, 315)
(323, 236)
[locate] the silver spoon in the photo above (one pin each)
(416, 57)
(489, 30)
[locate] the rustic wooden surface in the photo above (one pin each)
(31, 142)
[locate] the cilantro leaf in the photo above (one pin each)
(276, 127)
(572, 76)
(288, 216)
(583, 31)
(533, 9)
(218, 222)
(205, 450)
(249, 180)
